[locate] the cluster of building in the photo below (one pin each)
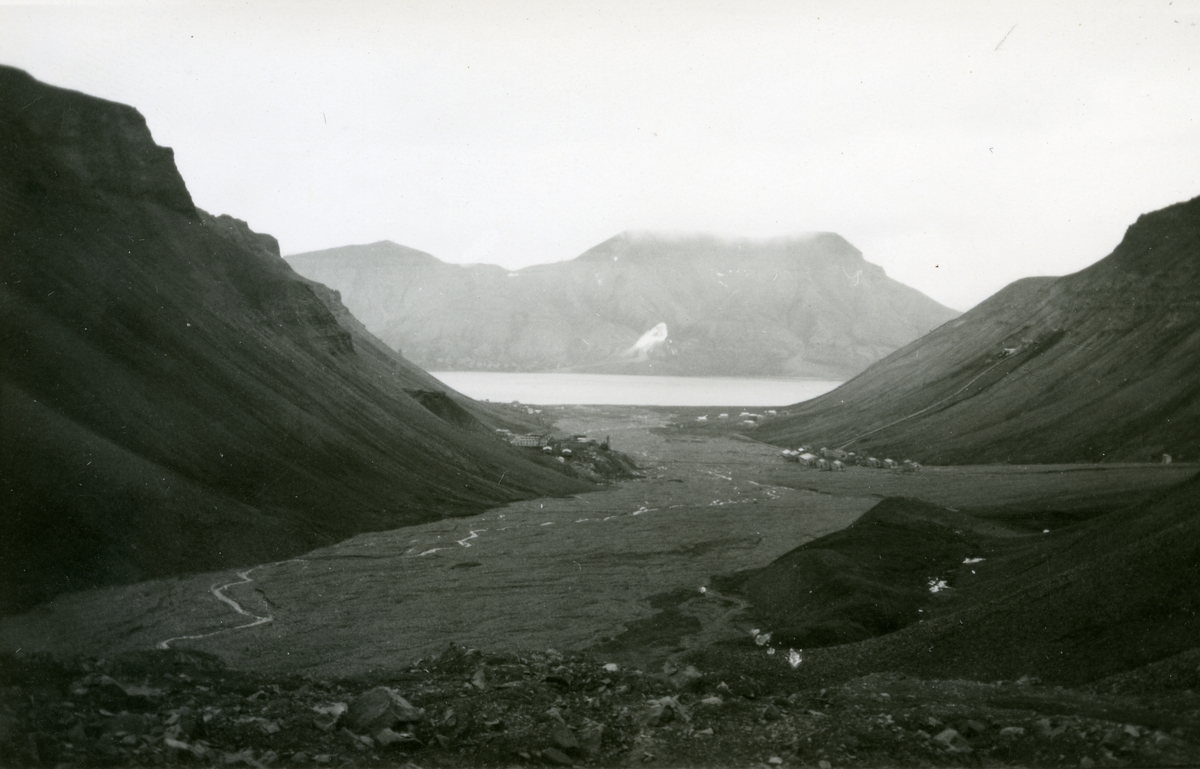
(747, 417)
(837, 460)
(553, 445)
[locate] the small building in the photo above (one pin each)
(823, 464)
(890, 463)
(871, 462)
(807, 459)
(837, 465)
(528, 441)
(1166, 458)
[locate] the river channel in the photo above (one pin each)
(563, 573)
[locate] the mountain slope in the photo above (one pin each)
(637, 303)
(1086, 601)
(173, 396)
(1098, 365)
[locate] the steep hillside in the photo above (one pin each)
(1098, 365)
(637, 303)
(1090, 600)
(173, 396)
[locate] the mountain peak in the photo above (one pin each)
(796, 306)
(655, 244)
(380, 252)
(1165, 243)
(64, 144)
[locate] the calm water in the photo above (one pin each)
(621, 390)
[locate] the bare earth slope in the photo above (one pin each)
(173, 396)
(806, 306)
(1098, 365)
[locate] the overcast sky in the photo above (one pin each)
(960, 145)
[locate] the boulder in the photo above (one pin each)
(564, 738)
(953, 741)
(591, 735)
(663, 711)
(387, 737)
(380, 708)
(686, 678)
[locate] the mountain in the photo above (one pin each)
(1098, 365)
(637, 303)
(173, 397)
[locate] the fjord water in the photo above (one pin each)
(627, 390)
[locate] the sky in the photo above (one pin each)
(960, 145)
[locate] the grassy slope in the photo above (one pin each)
(174, 397)
(1104, 368)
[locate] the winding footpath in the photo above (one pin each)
(218, 592)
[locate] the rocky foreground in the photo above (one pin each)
(744, 706)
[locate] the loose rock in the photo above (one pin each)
(953, 741)
(564, 738)
(380, 708)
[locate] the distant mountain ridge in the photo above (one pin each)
(173, 397)
(1099, 365)
(801, 306)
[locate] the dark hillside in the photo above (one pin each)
(1075, 605)
(173, 396)
(1098, 365)
(869, 579)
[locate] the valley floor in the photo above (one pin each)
(256, 660)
